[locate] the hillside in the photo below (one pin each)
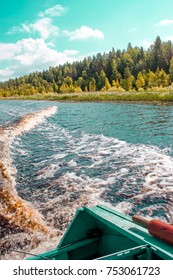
(117, 71)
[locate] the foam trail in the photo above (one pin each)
(15, 211)
(29, 121)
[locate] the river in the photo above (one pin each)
(56, 157)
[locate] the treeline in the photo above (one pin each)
(131, 69)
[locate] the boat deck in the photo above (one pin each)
(104, 234)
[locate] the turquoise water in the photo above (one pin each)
(134, 123)
(118, 155)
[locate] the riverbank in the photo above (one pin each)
(163, 97)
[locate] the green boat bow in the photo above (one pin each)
(104, 234)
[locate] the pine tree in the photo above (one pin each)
(102, 78)
(157, 55)
(92, 85)
(127, 82)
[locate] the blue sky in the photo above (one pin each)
(36, 34)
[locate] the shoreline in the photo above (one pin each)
(163, 98)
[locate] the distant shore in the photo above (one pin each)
(137, 97)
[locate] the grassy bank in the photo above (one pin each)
(100, 97)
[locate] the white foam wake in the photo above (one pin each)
(29, 121)
(15, 210)
(97, 169)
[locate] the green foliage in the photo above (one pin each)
(92, 85)
(171, 69)
(140, 82)
(127, 70)
(127, 82)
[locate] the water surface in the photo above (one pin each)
(73, 154)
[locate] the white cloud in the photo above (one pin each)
(146, 44)
(14, 30)
(45, 27)
(25, 28)
(42, 26)
(165, 22)
(6, 72)
(30, 55)
(19, 29)
(83, 33)
(54, 11)
(7, 51)
(36, 52)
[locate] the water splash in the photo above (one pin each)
(71, 168)
(16, 212)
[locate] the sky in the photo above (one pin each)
(36, 34)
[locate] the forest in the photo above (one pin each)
(133, 69)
